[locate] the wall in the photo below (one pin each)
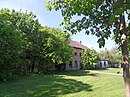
(103, 64)
(76, 57)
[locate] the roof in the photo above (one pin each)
(76, 44)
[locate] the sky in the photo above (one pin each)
(53, 19)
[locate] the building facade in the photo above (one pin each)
(103, 64)
(77, 50)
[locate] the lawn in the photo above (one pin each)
(66, 84)
(112, 70)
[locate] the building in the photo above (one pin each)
(77, 49)
(103, 64)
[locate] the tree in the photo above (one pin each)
(101, 18)
(27, 23)
(54, 46)
(24, 44)
(10, 46)
(17, 41)
(89, 59)
(113, 56)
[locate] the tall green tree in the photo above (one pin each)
(101, 18)
(24, 43)
(55, 46)
(27, 23)
(10, 46)
(16, 41)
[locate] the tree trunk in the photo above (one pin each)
(33, 65)
(125, 58)
(125, 64)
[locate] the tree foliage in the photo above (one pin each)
(113, 56)
(55, 46)
(89, 59)
(98, 17)
(10, 45)
(24, 43)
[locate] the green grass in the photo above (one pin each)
(112, 70)
(67, 84)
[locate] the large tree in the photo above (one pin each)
(101, 18)
(10, 46)
(25, 44)
(27, 23)
(54, 46)
(17, 38)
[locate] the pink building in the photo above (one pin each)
(77, 49)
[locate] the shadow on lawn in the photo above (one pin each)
(78, 73)
(44, 86)
(102, 69)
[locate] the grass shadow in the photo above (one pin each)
(42, 86)
(78, 73)
(102, 69)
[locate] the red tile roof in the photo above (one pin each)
(76, 44)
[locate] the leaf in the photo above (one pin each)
(87, 32)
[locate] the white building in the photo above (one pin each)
(103, 64)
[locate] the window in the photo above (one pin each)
(80, 54)
(76, 63)
(100, 64)
(75, 53)
(70, 65)
(104, 63)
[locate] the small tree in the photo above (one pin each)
(89, 59)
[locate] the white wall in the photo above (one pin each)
(103, 64)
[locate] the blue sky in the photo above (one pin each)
(52, 19)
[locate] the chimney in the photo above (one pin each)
(80, 42)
